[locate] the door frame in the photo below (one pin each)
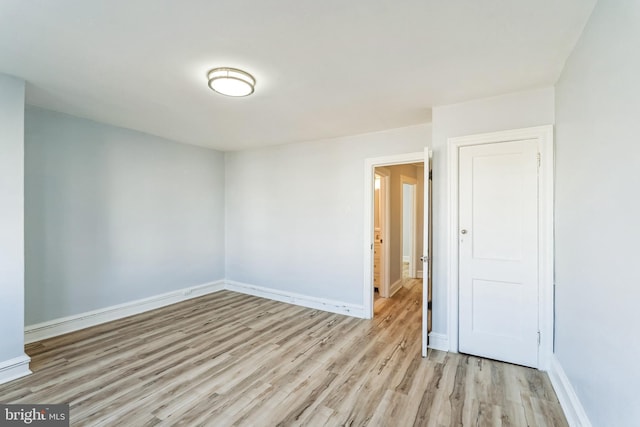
(414, 227)
(544, 135)
(427, 243)
(369, 177)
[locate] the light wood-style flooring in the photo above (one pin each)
(232, 359)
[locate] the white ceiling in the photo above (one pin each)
(324, 67)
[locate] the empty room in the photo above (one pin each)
(330, 213)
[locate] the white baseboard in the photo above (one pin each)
(76, 322)
(297, 299)
(573, 409)
(419, 273)
(15, 368)
(438, 341)
(395, 287)
(64, 325)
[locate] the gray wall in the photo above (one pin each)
(597, 215)
(11, 217)
(114, 215)
(513, 111)
(295, 213)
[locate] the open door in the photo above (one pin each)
(427, 256)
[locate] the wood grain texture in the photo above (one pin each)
(230, 359)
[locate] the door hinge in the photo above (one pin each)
(539, 159)
(538, 338)
(430, 175)
(372, 246)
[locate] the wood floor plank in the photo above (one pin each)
(230, 359)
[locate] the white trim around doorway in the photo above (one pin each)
(369, 165)
(544, 135)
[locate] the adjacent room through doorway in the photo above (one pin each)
(383, 256)
(397, 230)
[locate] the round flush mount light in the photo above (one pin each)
(231, 81)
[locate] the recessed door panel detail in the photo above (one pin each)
(497, 308)
(497, 207)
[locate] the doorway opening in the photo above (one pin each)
(387, 289)
(395, 228)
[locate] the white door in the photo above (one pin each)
(426, 253)
(498, 244)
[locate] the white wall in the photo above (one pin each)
(295, 213)
(597, 215)
(518, 110)
(114, 215)
(12, 92)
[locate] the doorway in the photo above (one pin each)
(501, 228)
(395, 227)
(413, 166)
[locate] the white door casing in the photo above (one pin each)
(498, 251)
(426, 272)
(498, 243)
(369, 174)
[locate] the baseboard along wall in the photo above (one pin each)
(395, 287)
(15, 368)
(438, 341)
(571, 405)
(64, 325)
(323, 304)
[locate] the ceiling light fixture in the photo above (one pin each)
(231, 81)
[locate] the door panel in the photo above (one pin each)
(490, 297)
(498, 243)
(497, 199)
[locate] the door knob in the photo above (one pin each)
(463, 231)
